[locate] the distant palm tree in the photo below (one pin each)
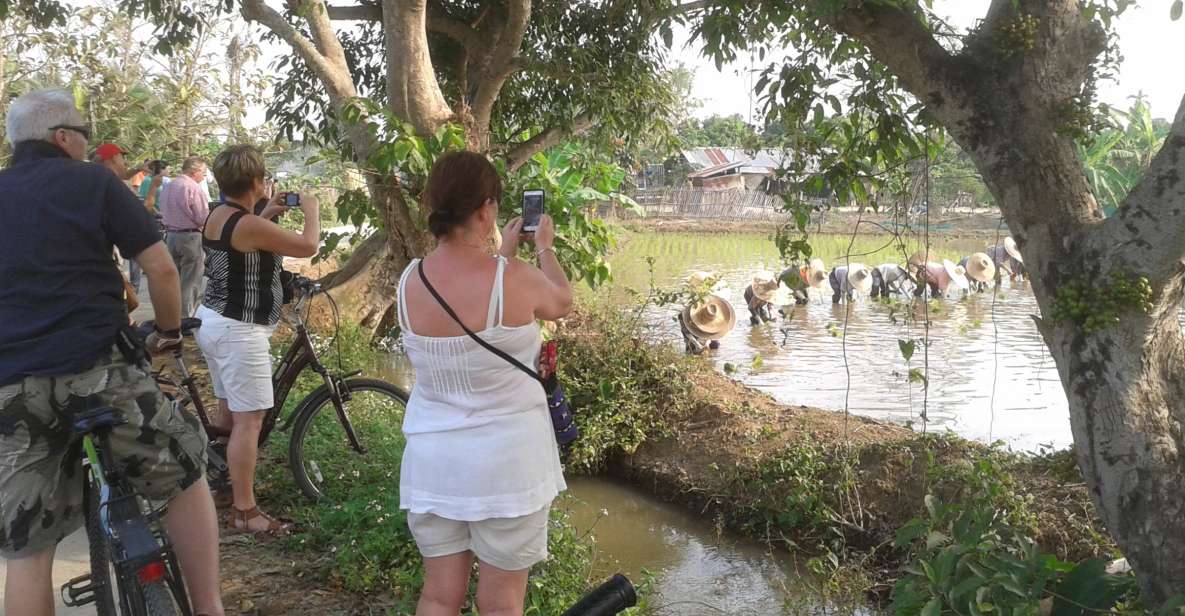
(1116, 159)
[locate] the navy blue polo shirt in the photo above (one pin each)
(61, 295)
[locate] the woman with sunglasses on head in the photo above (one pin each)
(240, 310)
(481, 465)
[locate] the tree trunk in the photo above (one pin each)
(1126, 396)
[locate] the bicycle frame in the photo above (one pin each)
(134, 548)
(300, 355)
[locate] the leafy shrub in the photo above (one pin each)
(623, 389)
(974, 558)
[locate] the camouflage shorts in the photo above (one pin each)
(161, 449)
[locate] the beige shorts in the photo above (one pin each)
(511, 544)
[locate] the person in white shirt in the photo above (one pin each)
(481, 465)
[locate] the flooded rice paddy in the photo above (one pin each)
(990, 376)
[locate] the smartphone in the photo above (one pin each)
(532, 209)
(290, 199)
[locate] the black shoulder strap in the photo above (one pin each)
(489, 347)
(228, 227)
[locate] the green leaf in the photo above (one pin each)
(1089, 589)
(933, 607)
(907, 348)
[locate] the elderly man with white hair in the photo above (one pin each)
(61, 313)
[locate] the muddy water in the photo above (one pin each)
(990, 376)
(695, 570)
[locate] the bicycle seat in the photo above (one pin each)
(188, 325)
(102, 418)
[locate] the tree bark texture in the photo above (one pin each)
(1124, 385)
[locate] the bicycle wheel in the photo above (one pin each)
(158, 599)
(324, 464)
(102, 574)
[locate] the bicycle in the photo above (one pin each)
(132, 561)
(322, 467)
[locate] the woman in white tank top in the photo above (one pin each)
(481, 465)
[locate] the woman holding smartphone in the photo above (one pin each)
(481, 465)
(240, 310)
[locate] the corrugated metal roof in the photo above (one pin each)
(702, 158)
(717, 169)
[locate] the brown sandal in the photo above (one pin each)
(240, 516)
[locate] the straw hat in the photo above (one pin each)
(1012, 250)
(768, 288)
(958, 275)
(980, 267)
(710, 319)
(860, 277)
(816, 274)
(921, 258)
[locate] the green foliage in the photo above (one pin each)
(974, 558)
(1116, 157)
(720, 131)
(624, 389)
(575, 180)
(1094, 306)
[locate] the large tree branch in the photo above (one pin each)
(899, 40)
(438, 21)
(329, 72)
(321, 28)
(357, 12)
(1151, 221)
(519, 154)
(505, 42)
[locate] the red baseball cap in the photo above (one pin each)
(107, 151)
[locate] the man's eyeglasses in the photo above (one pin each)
(81, 130)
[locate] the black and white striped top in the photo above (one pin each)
(241, 285)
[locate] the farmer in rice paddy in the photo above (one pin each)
(705, 323)
(846, 280)
(762, 294)
(939, 277)
(980, 271)
(799, 279)
(1007, 259)
(889, 278)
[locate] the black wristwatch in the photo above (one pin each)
(167, 333)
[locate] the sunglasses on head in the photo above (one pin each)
(82, 130)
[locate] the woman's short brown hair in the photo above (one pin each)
(458, 185)
(237, 167)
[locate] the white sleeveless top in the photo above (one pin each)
(480, 443)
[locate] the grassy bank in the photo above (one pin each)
(936, 516)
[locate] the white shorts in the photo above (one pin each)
(510, 544)
(240, 361)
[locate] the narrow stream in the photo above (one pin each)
(696, 571)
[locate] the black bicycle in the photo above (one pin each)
(345, 433)
(133, 569)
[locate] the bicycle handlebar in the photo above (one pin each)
(608, 599)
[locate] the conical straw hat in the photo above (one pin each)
(768, 288)
(958, 275)
(1012, 250)
(710, 319)
(980, 267)
(860, 277)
